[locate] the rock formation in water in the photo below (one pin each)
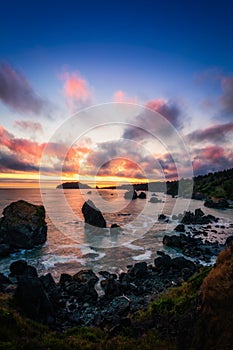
(93, 215)
(22, 226)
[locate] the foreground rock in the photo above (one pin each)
(22, 226)
(92, 215)
(74, 300)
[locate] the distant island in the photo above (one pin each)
(213, 185)
(73, 185)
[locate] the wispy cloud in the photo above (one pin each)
(17, 93)
(214, 133)
(211, 158)
(28, 125)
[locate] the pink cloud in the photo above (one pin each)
(76, 90)
(121, 97)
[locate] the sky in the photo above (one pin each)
(149, 84)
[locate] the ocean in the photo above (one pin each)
(70, 247)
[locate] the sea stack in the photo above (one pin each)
(92, 215)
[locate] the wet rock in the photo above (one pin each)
(162, 217)
(196, 218)
(163, 262)
(131, 195)
(65, 278)
(92, 215)
(111, 287)
(115, 229)
(86, 276)
(180, 228)
(138, 270)
(23, 225)
(142, 195)
(179, 263)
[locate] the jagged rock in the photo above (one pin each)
(131, 195)
(142, 195)
(163, 262)
(180, 228)
(86, 276)
(162, 217)
(23, 225)
(139, 269)
(180, 263)
(196, 218)
(92, 215)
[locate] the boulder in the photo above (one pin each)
(139, 269)
(142, 195)
(163, 262)
(33, 300)
(162, 217)
(23, 225)
(180, 228)
(92, 215)
(179, 263)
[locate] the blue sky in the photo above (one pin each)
(58, 57)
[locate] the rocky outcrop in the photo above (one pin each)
(22, 226)
(142, 195)
(196, 218)
(155, 200)
(220, 204)
(92, 215)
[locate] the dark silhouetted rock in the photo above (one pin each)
(18, 267)
(229, 241)
(33, 300)
(142, 195)
(86, 276)
(131, 195)
(180, 228)
(139, 269)
(162, 217)
(23, 225)
(92, 215)
(163, 262)
(180, 263)
(115, 229)
(220, 204)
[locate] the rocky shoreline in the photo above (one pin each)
(74, 300)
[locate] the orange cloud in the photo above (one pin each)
(121, 97)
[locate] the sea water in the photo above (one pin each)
(70, 247)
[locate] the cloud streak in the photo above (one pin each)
(214, 133)
(17, 93)
(28, 125)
